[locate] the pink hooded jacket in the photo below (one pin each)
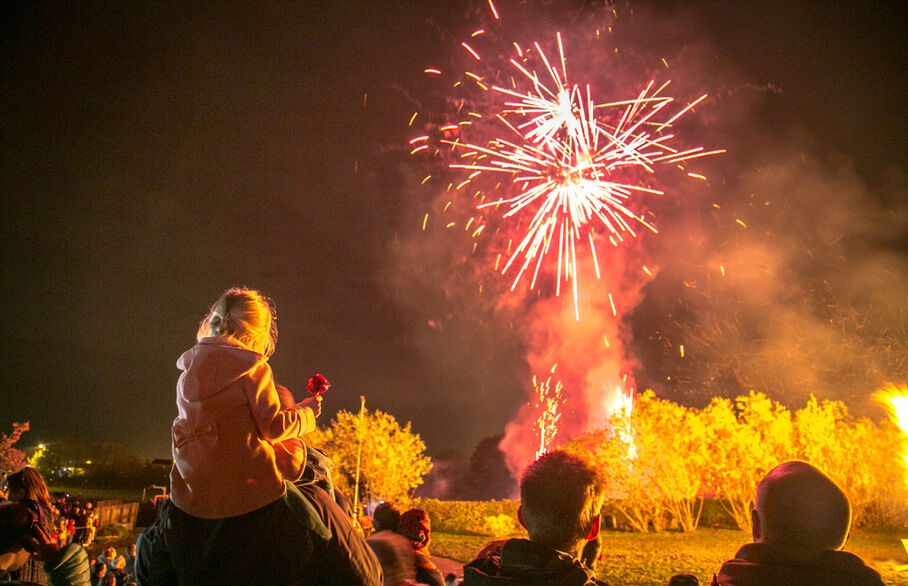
(228, 414)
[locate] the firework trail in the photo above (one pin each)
(566, 168)
(548, 404)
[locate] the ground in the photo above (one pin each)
(647, 559)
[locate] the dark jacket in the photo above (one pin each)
(527, 563)
(395, 554)
(427, 572)
(302, 538)
(759, 564)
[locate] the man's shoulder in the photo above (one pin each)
(758, 564)
(528, 563)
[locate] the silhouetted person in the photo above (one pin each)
(801, 521)
(27, 485)
(232, 517)
(22, 535)
(683, 580)
(393, 550)
(416, 526)
(560, 499)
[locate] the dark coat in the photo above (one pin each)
(426, 571)
(759, 564)
(527, 563)
(302, 538)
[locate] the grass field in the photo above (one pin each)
(643, 559)
(651, 558)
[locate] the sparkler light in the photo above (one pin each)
(548, 404)
(562, 163)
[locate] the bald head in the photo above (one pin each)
(799, 505)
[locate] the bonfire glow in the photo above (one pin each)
(622, 407)
(894, 400)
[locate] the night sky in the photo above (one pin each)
(154, 154)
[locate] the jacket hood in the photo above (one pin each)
(213, 364)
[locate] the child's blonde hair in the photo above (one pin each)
(244, 315)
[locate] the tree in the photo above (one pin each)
(488, 477)
(858, 455)
(671, 439)
(624, 458)
(628, 481)
(11, 459)
(392, 462)
(73, 463)
(662, 458)
(746, 441)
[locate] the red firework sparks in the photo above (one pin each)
(565, 160)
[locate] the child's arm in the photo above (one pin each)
(290, 454)
(275, 424)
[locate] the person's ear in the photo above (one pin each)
(594, 530)
(755, 522)
(520, 518)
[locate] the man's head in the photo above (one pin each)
(798, 505)
(110, 553)
(385, 517)
(416, 526)
(560, 498)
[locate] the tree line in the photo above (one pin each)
(662, 460)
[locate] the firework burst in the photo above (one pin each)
(565, 168)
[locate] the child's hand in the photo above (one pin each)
(314, 403)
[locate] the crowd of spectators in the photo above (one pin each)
(250, 504)
(401, 544)
(77, 520)
(801, 521)
(113, 569)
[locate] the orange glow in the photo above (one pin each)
(894, 400)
